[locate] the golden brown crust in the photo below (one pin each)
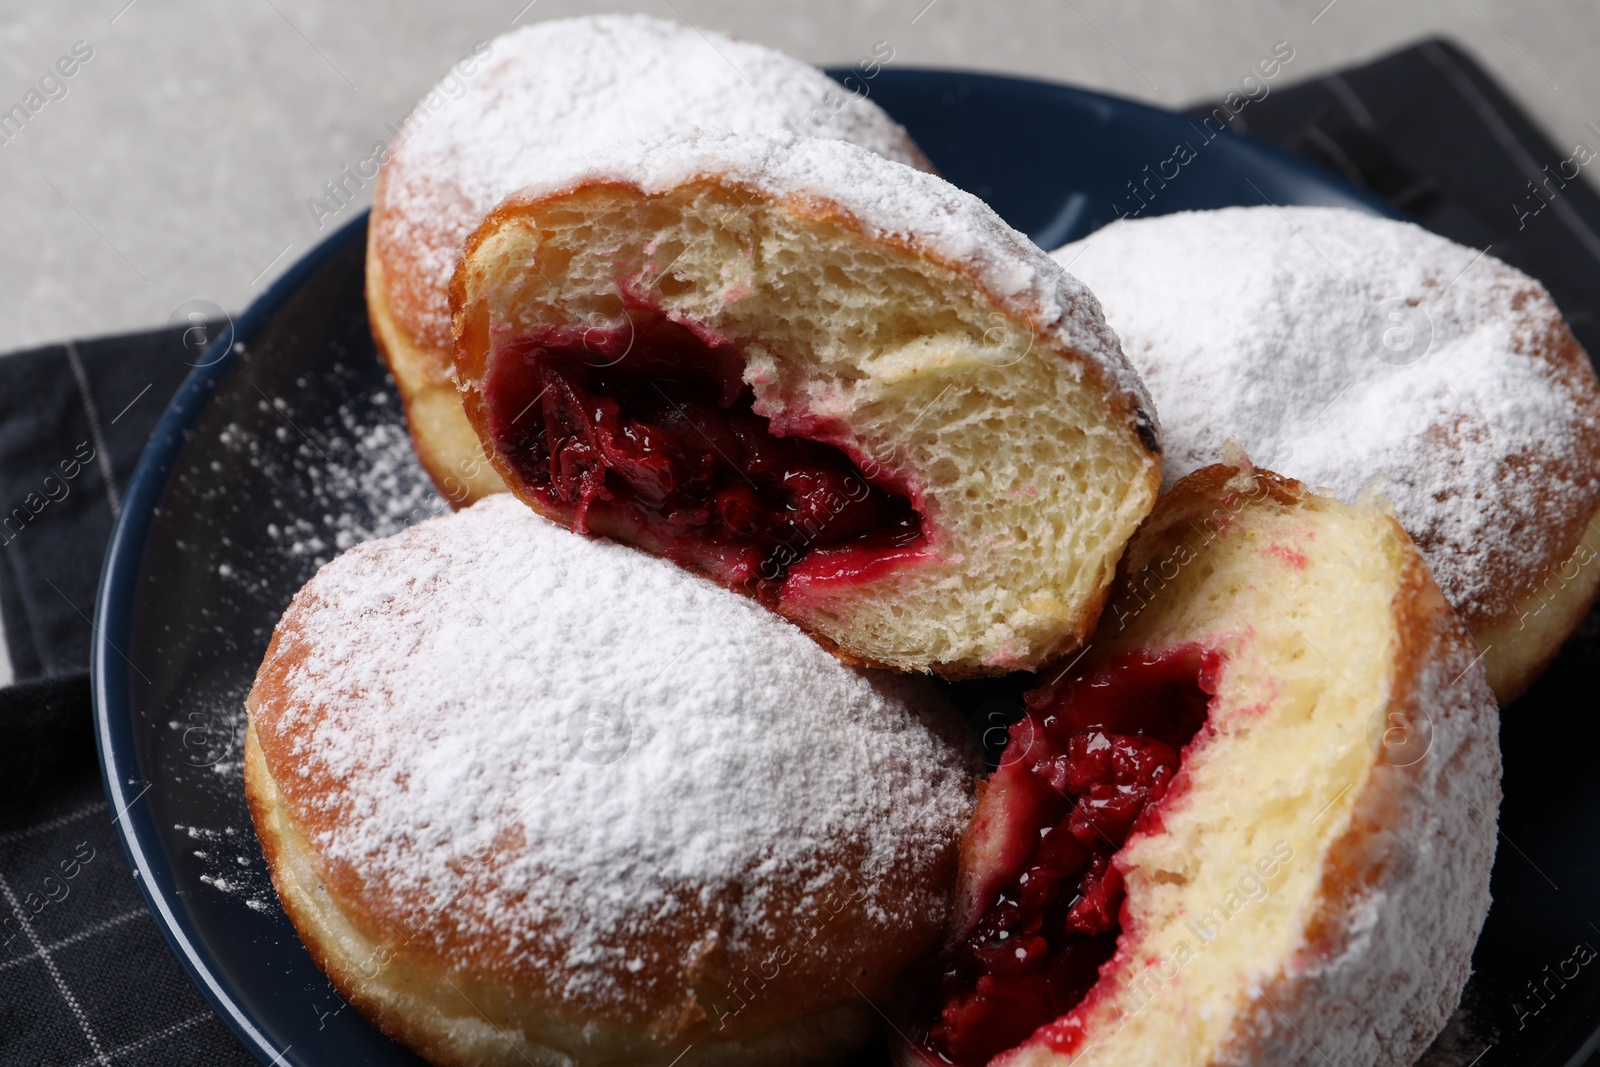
(396, 300)
(261, 792)
(1564, 519)
(403, 994)
(1517, 651)
(1561, 481)
(445, 443)
(1520, 590)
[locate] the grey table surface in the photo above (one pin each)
(177, 163)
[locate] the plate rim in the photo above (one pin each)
(1246, 141)
(120, 570)
(114, 599)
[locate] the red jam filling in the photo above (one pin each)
(646, 433)
(1088, 766)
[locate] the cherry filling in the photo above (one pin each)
(1087, 766)
(646, 433)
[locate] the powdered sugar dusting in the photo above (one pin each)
(1349, 351)
(1389, 960)
(230, 870)
(323, 479)
(369, 481)
(554, 746)
(555, 90)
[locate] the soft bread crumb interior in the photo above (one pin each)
(1300, 601)
(1030, 482)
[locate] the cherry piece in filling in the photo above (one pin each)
(646, 433)
(1089, 764)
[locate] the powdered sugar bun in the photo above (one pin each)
(536, 97)
(533, 798)
(1307, 883)
(734, 299)
(1350, 351)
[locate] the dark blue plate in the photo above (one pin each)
(288, 445)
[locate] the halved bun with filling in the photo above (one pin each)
(1253, 824)
(512, 112)
(821, 377)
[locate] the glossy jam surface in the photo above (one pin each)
(1087, 766)
(646, 433)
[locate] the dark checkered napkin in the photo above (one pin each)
(85, 977)
(1430, 132)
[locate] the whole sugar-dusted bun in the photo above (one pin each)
(1252, 825)
(511, 113)
(531, 798)
(1354, 352)
(820, 377)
